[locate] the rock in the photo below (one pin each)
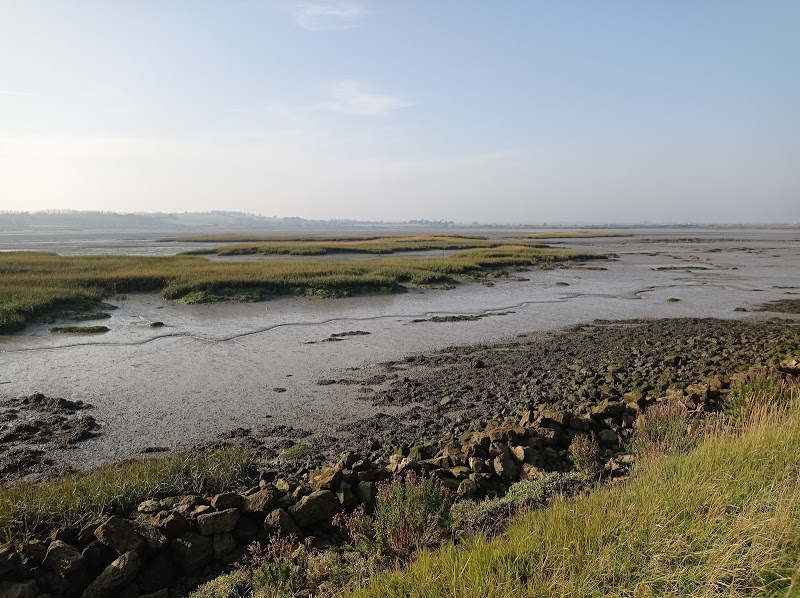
(528, 419)
(119, 534)
(115, 577)
(460, 473)
(317, 507)
(221, 522)
(192, 551)
(98, 556)
(530, 473)
(63, 559)
(467, 489)
(11, 566)
(478, 465)
(344, 492)
(223, 544)
(525, 454)
(608, 409)
(325, 479)
(150, 507)
(367, 492)
(262, 501)
(505, 468)
(201, 510)
(163, 593)
(348, 460)
(19, 589)
(171, 523)
(154, 538)
(86, 534)
(228, 500)
(281, 523)
(246, 530)
(478, 363)
(450, 484)
(185, 505)
(609, 437)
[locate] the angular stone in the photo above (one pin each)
(63, 559)
(280, 522)
(115, 577)
(325, 479)
(344, 492)
(460, 473)
(11, 566)
(315, 508)
(192, 551)
(262, 501)
(154, 538)
(467, 489)
(608, 437)
(228, 500)
(171, 523)
(220, 522)
(150, 507)
(530, 473)
(477, 465)
(505, 468)
(19, 589)
(224, 544)
(367, 492)
(119, 534)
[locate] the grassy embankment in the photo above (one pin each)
(116, 489)
(722, 519)
(33, 285)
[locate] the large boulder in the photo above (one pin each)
(262, 501)
(227, 500)
(505, 468)
(221, 522)
(115, 577)
(192, 551)
(317, 507)
(63, 559)
(119, 534)
(19, 589)
(326, 478)
(281, 523)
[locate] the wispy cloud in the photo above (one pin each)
(325, 15)
(18, 93)
(348, 97)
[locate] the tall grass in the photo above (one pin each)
(32, 283)
(722, 520)
(26, 508)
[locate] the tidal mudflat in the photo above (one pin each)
(264, 370)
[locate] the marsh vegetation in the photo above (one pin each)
(36, 284)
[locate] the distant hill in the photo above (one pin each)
(73, 219)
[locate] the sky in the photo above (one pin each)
(521, 111)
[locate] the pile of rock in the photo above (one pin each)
(182, 541)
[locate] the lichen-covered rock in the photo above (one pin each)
(63, 559)
(325, 479)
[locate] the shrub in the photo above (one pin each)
(761, 390)
(665, 428)
(411, 514)
(586, 455)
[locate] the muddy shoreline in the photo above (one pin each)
(434, 396)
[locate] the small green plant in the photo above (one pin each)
(411, 514)
(673, 300)
(298, 451)
(586, 455)
(78, 329)
(201, 297)
(665, 428)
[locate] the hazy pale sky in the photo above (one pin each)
(449, 109)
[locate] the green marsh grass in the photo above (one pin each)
(721, 520)
(323, 245)
(33, 284)
(26, 508)
(78, 329)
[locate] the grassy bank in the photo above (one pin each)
(324, 245)
(33, 284)
(721, 520)
(115, 489)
